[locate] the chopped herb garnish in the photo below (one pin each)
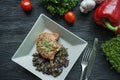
(46, 45)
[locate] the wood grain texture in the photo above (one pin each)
(15, 25)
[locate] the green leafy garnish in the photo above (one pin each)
(111, 48)
(58, 6)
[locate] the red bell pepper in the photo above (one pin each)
(107, 14)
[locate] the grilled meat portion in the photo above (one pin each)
(47, 45)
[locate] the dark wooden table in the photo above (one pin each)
(15, 25)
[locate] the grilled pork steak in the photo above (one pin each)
(47, 45)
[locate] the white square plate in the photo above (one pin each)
(75, 45)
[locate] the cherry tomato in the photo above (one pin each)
(26, 5)
(70, 17)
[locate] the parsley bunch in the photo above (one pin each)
(111, 49)
(58, 6)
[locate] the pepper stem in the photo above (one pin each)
(109, 26)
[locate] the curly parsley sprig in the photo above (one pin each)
(111, 49)
(59, 6)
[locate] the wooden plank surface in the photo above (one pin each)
(15, 25)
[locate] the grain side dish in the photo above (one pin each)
(51, 57)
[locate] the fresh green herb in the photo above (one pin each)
(111, 48)
(58, 6)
